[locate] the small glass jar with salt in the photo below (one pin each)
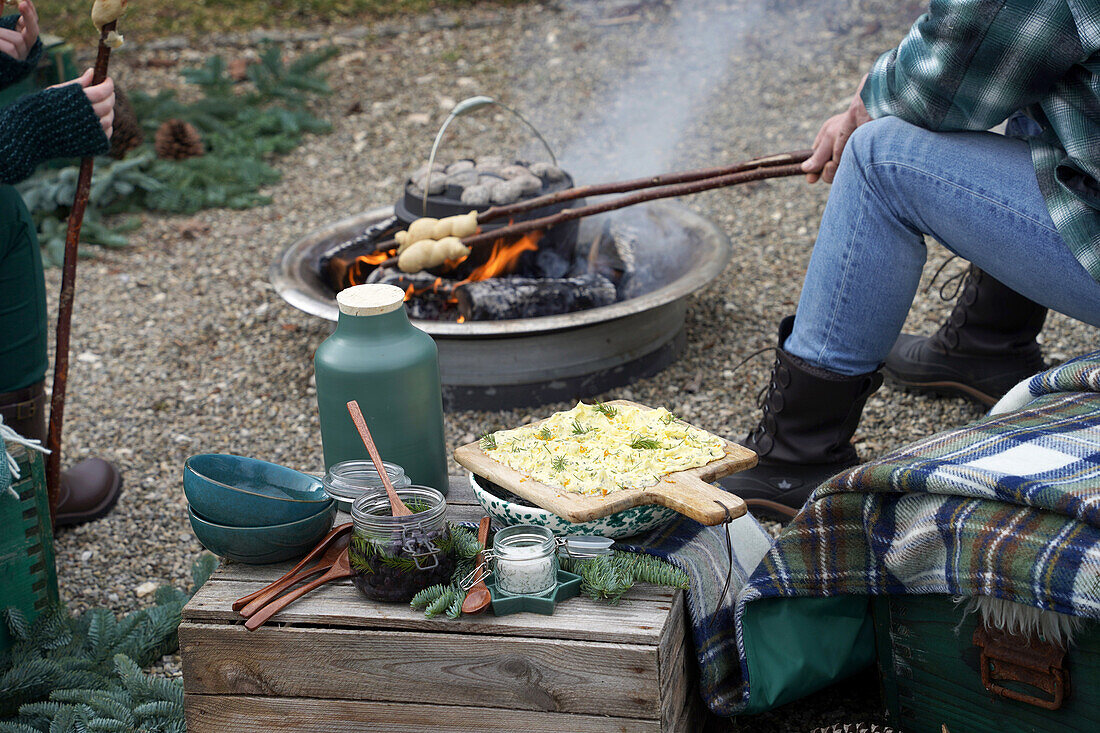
(525, 560)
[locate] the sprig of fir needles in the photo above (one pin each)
(558, 463)
(545, 434)
(605, 409)
(641, 442)
(579, 429)
(488, 442)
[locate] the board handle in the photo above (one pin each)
(697, 499)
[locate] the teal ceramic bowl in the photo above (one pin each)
(503, 507)
(246, 492)
(263, 545)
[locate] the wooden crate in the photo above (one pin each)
(335, 661)
(932, 680)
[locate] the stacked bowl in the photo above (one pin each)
(252, 511)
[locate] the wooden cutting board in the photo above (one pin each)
(687, 492)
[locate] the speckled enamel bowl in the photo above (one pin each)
(626, 523)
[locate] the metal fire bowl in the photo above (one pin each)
(524, 362)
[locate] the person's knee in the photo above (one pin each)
(870, 141)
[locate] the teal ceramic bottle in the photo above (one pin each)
(391, 368)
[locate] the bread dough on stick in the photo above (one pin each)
(104, 11)
(460, 225)
(428, 253)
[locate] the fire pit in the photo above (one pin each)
(590, 306)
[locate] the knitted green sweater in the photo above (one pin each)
(52, 123)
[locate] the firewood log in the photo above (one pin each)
(504, 298)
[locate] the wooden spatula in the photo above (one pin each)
(340, 569)
(332, 554)
(296, 573)
(397, 507)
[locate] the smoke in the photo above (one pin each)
(654, 100)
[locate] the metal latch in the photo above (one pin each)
(1030, 661)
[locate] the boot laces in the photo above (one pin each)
(949, 288)
(762, 395)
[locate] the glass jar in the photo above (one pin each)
(394, 558)
(348, 480)
(525, 560)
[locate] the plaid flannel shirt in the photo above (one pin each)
(970, 64)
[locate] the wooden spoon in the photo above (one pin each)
(397, 507)
(478, 597)
(293, 575)
(326, 562)
(340, 569)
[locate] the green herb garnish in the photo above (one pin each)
(579, 429)
(558, 464)
(607, 410)
(667, 419)
(545, 434)
(488, 442)
(643, 443)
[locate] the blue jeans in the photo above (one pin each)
(974, 192)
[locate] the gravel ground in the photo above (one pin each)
(180, 346)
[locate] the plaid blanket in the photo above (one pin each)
(1007, 507)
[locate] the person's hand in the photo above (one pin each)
(832, 137)
(19, 42)
(101, 96)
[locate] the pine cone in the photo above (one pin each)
(177, 140)
(127, 133)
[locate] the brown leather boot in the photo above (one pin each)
(90, 488)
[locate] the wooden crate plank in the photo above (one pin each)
(528, 674)
(246, 714)
(632, 622)
(675, 681)
(264, 574)
(693, 717)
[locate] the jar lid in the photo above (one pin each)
(372, 510)
(350, 479)
(371, 299)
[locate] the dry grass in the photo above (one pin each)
(148, 19)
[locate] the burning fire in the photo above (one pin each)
(357, 273)
(502, 261)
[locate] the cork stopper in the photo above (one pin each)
(370, 300)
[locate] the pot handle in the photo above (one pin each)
(469, 105)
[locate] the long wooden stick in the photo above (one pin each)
(68, 290)
(637, 184)
(679, 189)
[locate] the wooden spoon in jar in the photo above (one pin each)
(397, 507)
(478, 597)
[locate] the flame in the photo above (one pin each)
(504, 257)
(502, 261)
(377, 258)
(363, 264)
